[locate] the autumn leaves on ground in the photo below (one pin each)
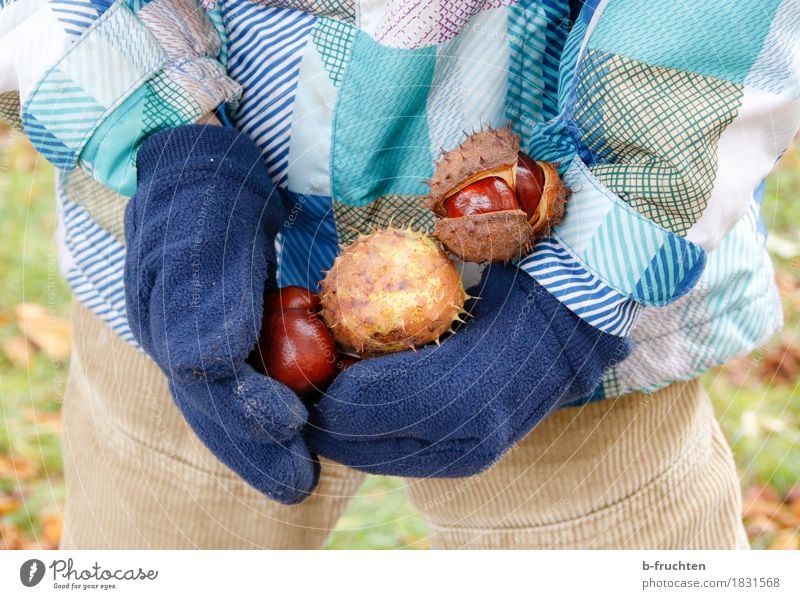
(757, 398)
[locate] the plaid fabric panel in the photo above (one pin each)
(168, 105)
(718, 39)
(105, 206)
(654, 134)
(393, 209)
(332, 39)
(9, 109)
(344, 10)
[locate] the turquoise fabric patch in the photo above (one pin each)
(720, 39)
(380, 131)
(110, 152)
(93, 78)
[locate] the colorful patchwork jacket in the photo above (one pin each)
(665, 118)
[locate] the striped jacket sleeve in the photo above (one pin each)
(673, 113)
(88, 80)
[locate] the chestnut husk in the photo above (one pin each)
(391, 290)
(498, 236)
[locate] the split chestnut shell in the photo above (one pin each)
(505, 233)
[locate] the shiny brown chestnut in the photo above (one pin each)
(294, 345)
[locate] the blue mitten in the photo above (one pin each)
(200, 236)
(454, 410)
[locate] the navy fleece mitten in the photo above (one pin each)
(454, 410)
(200, 236)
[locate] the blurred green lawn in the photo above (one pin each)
(759, 413)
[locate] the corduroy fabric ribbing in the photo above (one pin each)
(137, 477)
(639, 471)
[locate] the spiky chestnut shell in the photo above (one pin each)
(486, 153)
(391, 290)
(489, 237)
(509, 232)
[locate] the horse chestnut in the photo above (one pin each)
(487, 195)
(294, 345)
(530, 183)
(389, 291)
(492, 199)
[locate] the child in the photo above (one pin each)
(664, 119)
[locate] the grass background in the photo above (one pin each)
(756, 398)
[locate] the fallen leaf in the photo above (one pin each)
(738, 370)
(49, 333)
(10, 537)
(786, 285)
(51, 420)
(19, 352)
(14, 469)
(760, 525)
(785, 518)
(760, 499)
(8, 504)
(781, 364)
(52, 526)
(793, 494)
(766, 508)
(760, 492)
(785, 539)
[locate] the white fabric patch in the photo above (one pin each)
(310, 144)
(747, 152)
(470, 80)
(418, 23)
(31, 49)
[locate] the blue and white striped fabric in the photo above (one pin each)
(78, 15)
(265, 51)
(94, 261)
(587, 295)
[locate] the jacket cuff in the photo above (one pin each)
(137, 84)
(605, 261)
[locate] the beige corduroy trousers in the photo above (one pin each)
(638, 471)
